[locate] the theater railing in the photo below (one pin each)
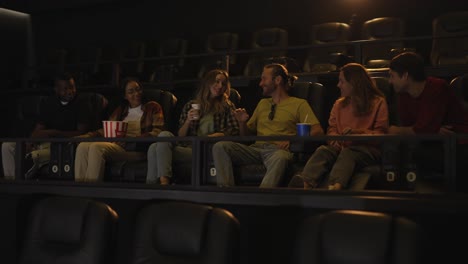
(200, 157)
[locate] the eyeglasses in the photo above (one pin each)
(271, 115)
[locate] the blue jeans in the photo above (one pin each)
(160, 157)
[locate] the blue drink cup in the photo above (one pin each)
(303, 129)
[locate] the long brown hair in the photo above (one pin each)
(364, 88)
(203, 96)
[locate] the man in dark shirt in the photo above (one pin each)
(61, 115)
(426, 105)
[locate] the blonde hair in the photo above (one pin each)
(209, 104)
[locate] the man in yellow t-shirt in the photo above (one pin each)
(273, 116)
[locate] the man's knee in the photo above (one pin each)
(221, 147)
(165, 134)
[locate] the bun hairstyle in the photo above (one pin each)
(280, 70)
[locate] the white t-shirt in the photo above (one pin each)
(133, 119)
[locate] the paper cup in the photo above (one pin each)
(196, 107)
(114, 129)
(303, 129)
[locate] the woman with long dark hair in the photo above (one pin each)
(144, 120)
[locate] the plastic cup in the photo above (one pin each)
(114, 129)
(303, 129)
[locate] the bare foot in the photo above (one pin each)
(336, 186)
(164, 180)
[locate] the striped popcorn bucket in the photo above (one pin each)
(114, 129)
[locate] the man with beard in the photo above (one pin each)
(276, 115)
(61, 115)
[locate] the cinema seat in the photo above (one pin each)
(67, 230)
(327, 57)
(386, 34)
(357, 237)
(185, 233)
(267, 43)
(450, 40)
(215, 45)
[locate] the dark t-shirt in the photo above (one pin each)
(436, 106)
(54, 115)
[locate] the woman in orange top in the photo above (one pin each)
(361, 110)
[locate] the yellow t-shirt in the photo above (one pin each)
(288, 113)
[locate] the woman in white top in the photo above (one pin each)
(144, 120)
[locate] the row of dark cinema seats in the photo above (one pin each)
(330, 45)
(65, 229)
(133, 169)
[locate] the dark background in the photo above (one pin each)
(75, 23)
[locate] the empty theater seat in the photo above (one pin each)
(327, 58)
(183, 232)
(64, 230)
(267, 43)
(357, 237)
(387, 33)
(450, 42)
(215, 45)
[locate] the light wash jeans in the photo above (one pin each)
(341, 164)
(40, 157)
(226, 153)
(160, 157)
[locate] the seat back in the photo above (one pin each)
(187, 233)
(378, 55)
(314, 94)
(169, 59)
(266, 43)
(222, 42)
(82, 63)
(27, 114)
(106, 69)
(235, 97)
(390, 96)
(450, 39)
(131, 59)
(167, 100)
(460, 85)
(97, 105)
(69, 230)
(357, 237)
(321, 59)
